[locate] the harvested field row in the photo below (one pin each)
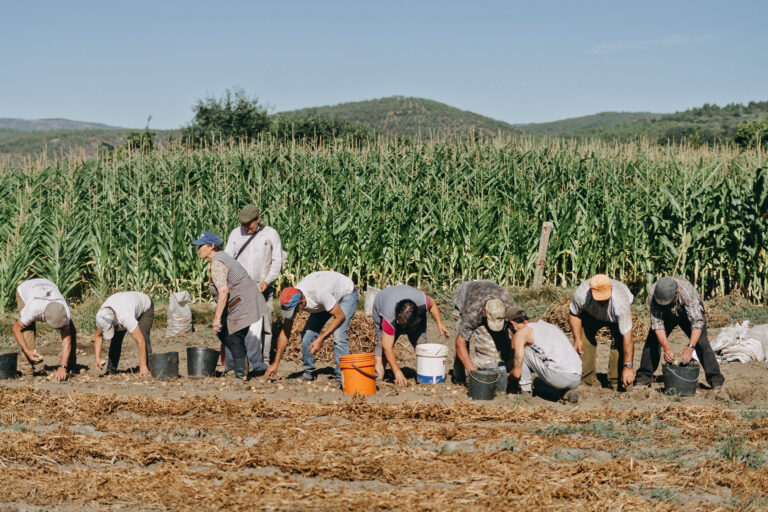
(89, 450)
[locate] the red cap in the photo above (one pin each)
(287, 294)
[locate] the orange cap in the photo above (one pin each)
(601, 287)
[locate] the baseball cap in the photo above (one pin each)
(600, 285)
(289, 299)
(55, 315)
(248, 213)
(105, 320)
(495, 314)
(516, 314)
(206, 237)
(665, 291)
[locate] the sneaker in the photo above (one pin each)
(571, 396)
(307, 377)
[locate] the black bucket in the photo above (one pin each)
(8, 365)
(164, 366)
(482, 384)
(501, 384)
(201, 362)
(681, 380)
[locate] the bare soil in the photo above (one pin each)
(125, 443)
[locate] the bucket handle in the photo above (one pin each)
(483, 382)
(679, 377)
(363, 371)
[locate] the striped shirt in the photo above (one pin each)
(686, 301)
(615, 311)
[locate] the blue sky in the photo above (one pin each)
(120, 62)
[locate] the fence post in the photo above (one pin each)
(541, 258)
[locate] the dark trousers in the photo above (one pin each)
(116, 345)
(652, 352)
(235, 341)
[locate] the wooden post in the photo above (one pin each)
(538, 276)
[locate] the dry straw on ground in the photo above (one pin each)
(92, 451)
(361, 336)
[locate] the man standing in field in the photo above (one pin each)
(124, 312)
(543, 349)
(674, 301)
(401, 310)
(327, 296)
(603, 302)
(481, 308)
(258, 249)
(39, 300)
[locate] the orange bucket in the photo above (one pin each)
(358, 374)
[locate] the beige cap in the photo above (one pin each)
(601, 287)
(55, 315)
(105, 321)
(495, 314)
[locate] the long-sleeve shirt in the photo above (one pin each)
(617, 309)
(687, 301)
(262, 258)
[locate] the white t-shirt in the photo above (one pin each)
(128, 307)
(325, 289)
(36, 295)
(554, 348)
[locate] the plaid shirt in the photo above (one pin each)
(686, 301)
(617, 311)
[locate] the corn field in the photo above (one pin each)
(427, 213)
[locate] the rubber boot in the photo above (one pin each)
(240, 368)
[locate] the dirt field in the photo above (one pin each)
(125, 443)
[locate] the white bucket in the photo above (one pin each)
(430, 363)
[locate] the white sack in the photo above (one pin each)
(179, 314)
(370, 296)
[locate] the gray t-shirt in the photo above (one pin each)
(387, 300)
(617, 309)
(470, 300)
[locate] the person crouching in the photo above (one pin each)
(543, 349)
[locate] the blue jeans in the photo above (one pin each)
(315, 323)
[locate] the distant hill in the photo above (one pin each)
(410, 116)
(42, 125)
(594, 121)
(707, 124)
(16, 145)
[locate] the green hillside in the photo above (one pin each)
(17, 145)
(410, 116)
(594, 121)
(708, 124)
